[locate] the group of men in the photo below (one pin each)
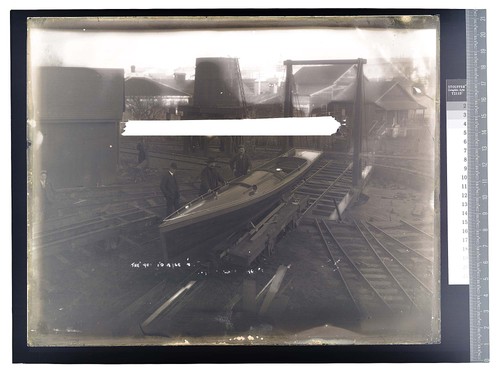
(211, 178)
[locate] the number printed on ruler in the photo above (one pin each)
(457, 177)
(478, 184)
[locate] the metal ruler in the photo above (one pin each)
(477, 164)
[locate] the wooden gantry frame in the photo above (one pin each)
(359, 106)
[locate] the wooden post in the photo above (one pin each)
(337, 208)
(288, 105)
(359, 104)
(273, 289)
(358, 124)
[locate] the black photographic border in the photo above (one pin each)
(454, 346)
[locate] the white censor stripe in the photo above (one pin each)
(290, 126)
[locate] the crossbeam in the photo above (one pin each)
(324, 62)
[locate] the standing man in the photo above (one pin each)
(211, 179)
(142, 151)
(45, 196)
(170, 189)
(240, 163)
(142, 161)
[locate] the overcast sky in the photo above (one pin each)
(265, 49)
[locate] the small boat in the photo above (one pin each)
(208, 220)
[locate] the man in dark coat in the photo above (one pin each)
(142, 161)
(240, 164)
(211, 179)
(142, 151)
(45, 196)
(170, 189)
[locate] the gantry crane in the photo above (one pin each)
(359, 107)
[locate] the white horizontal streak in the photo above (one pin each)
(292, 126)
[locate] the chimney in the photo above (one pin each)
(132, 69)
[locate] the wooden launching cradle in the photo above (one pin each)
(264, 235)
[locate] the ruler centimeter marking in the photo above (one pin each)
(457, 177)
(477, 184)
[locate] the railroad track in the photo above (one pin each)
(412, 164)
(380, 277)
(326, 186)
(185, 162)
(412, 238)
(92, 215)
(98, 215)
(86, 278)
(83, 208)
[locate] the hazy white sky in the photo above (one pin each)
(168, 50)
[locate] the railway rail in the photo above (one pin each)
(99, 215)
(380, 277)
(327, 185)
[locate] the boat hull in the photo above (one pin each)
(210, 221)
(202, 236)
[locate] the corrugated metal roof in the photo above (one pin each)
(401, 105)
(143, 86)
(397, 98)
(388, 95)
(320, 75)
(342, 90)
(312, 79)
(269, 98)
(186, 86)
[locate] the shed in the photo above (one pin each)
(77, 112)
